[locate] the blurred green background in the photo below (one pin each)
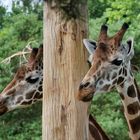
(23, 23)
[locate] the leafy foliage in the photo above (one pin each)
(96, 8)
(24, 24)
(17, 29)
(24, 124)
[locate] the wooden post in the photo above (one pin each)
(64, 117)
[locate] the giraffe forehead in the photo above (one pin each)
(21, 72)
(103, 50)
(108, 53)
(101, 55)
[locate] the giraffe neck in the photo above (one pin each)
(95, 131)
(130, 95)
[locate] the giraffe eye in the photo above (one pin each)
(117, 62)
(32, 80)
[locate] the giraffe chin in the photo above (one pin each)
(87, 98)
(3, 110)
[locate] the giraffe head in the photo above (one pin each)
(109, 60)
(26, 86)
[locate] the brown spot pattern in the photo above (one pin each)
(114, 75)
(38, 95)
(108, 77)
(29, 95)
(19, 99)
(131, 91)
(40, 82)
(3, 109)
(106, 87)
(27, 102)
(120, 80)
(138, 90)
(94, 132)
(125, 72)
(135, 124)
(40, 88)
(115, 81)
(120, 71)
(133, 108)
(95, 128)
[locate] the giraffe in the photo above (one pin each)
(26, 89)
(26, 86)
(111, 68)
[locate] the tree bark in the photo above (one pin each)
(64, 117)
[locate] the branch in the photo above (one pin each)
(22, 54)
(8, 59)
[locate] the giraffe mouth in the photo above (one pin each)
(87, 98)
(3, 109)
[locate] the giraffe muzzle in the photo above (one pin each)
(3, 109)
(87, 98)
(86, 92)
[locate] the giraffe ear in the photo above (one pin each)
(130, 49)
(90, 45)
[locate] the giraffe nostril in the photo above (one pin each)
(81, 86)
(84, 85)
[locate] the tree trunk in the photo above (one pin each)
(64, 117)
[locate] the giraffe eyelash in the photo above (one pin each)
(117, 62)
(32, 80)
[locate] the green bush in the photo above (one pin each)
(22, 124)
